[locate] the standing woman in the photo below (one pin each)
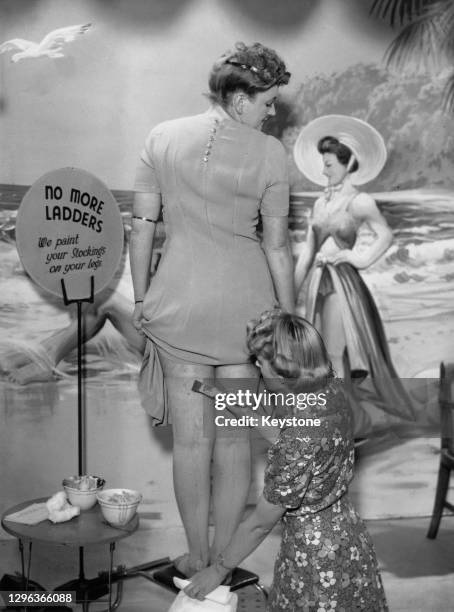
(344, 152)
(215, 175)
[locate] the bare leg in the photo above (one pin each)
(332, 331)
(26, 366)
(231, 462)
(116, 308)
(193, 439)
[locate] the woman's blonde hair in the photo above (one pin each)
(293, 348)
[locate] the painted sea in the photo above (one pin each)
(415, 278)
(413, 283)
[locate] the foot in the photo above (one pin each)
(31, 373)
(12, 357)
(186, 566)
(23, 363)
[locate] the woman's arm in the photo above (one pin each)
(249, 534)
(276, 245)
(147, 206)
(305, 259)
(365, 210)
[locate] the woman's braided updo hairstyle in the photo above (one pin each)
(250, 69)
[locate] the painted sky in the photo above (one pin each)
(143, 62)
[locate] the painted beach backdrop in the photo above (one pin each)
(144, 62)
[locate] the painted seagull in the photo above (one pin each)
(50, 46)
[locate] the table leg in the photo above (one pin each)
(29, 564)
(81, 564)
(85, 602)
(112, 548)
(22, 561)
(25, 577)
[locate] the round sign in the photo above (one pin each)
(68, 230)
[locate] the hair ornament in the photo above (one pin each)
(233, 62)
(264, 75)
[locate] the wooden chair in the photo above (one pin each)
(447, 447)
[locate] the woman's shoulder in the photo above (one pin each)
(272, 151)
(361, 203)
(318, 205)
(178, 123)
(273, 144)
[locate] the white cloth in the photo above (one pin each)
(219, 600)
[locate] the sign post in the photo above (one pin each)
(69, 235)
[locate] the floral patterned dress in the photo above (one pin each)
(326, 561)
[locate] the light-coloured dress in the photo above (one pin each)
(326, 560)
(216, 178)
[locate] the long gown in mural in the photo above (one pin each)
(363, 331)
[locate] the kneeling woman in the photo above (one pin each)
(326, 559)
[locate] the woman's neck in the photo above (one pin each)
(345, 180)
(222, 111)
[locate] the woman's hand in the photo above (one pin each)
(137, 317)
(248, 535)
(205, 581)
(343, 256)
(320, 259)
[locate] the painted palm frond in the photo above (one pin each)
(399, 11)
(427, 37)
(448, 100)
(447, 21)
(418, 41)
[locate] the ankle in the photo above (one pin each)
(189, 565)
(197, 564)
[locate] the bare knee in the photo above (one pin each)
(102, 309)
(233, 442)
(192, 443)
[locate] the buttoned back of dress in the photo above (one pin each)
(215, 176)
(213, 173)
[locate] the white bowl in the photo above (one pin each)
(118, 506)
(84, 499)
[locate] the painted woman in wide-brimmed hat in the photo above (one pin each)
(341, 153)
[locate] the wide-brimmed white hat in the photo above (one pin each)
(360, 137)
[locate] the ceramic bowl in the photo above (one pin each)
(81, 491)
(118, 506)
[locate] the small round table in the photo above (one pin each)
(87, 529)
